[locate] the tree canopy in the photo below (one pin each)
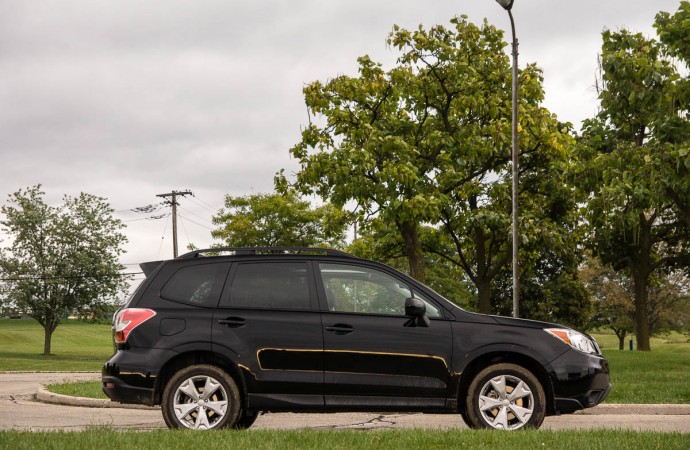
(428, 143)
(61, 259)
(275, 220)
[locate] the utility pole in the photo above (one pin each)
(173, 203)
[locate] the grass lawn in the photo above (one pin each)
(312, 439)
(88, 389)
(659, 376)
(76, 346)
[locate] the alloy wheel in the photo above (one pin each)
(506, 402)
(200, 402)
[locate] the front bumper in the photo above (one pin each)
(579, 381)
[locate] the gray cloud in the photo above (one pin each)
(130, 99)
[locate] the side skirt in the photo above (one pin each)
(348, 403)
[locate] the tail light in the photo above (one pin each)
(128, 319)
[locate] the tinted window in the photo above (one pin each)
(196, 285)
(271, 286)
(369, 291)
(363, 290)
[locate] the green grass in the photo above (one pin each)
(88, 389)
(659, 376)
(311, 439)
(76, 346)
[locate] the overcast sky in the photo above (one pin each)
(129, 99)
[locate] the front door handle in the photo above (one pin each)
(232, 322)
(340, 328)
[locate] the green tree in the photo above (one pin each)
(635, 223)
(614, 300)
(278, 220)
(388, 139)
(675, 127)
(428, 143)
(669, 302)
(61, 259)
(380, 243)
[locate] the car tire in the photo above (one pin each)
(185, 403)
(505, 396)
(246, 419)
(466, 419)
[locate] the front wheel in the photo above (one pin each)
(201, 397)
(246, 419)
(505, 397)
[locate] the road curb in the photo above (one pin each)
(45, 396)
(639, 409)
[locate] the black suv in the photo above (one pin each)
(218, 336)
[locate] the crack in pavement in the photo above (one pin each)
(15, 398)
(381, 421)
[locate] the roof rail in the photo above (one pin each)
(266, 251)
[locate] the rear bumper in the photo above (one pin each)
(129, 376)
(119, 391)
(580, 381)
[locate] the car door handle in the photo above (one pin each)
(232, 322)
(340, 328)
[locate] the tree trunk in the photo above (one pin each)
(621, 339)
(640, 275)
(641, 313)
(484, 293)
(483, 280)
(413, 249)
(48, 334)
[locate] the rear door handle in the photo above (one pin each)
(340, 328)
(232, 322)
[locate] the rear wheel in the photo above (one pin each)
(505, 397)
(201, 397)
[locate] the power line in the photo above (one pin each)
(162, 239)
(71, 277)
(195, 215)
(185, 232)
(142, 209)
(211, 208)
(196, 223)
(162, 216)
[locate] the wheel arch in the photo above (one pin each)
(490, 358)
(195, 357)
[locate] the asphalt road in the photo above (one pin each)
(19, 410)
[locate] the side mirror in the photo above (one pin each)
(414, 307)
(416, 310)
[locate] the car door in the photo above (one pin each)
(268, 323)
(375, 356)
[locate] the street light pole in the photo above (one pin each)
(508, 5)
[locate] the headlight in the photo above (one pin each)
(576, 340)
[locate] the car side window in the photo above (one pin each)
(356, 289)
(270, 285)
(198, 285)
